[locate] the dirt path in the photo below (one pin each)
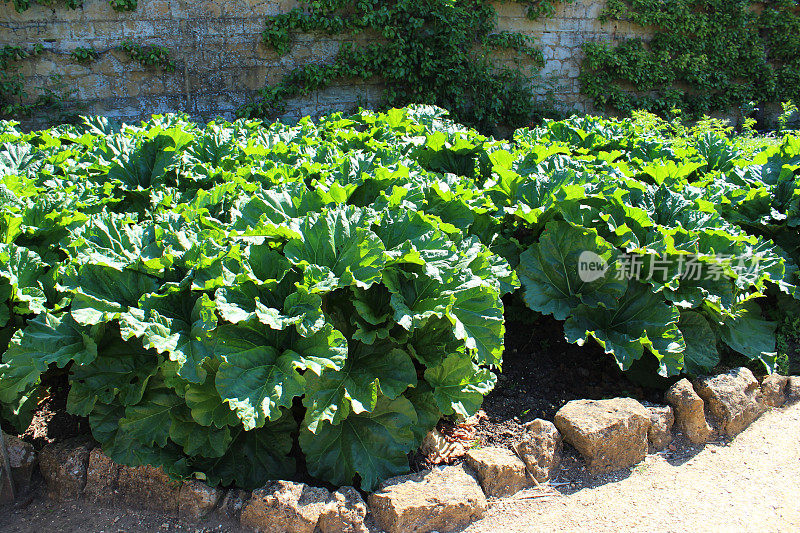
(752, 484)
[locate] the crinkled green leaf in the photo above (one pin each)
(198, 440)
(150, 420)
(477, 314)
(123, 448)
(433, 341)
(101, 294)
(426, 407)
(373, 445)
(701, 353)
(113, 241)
(569, 266)
(370, 369)
(255, 379)
(415, 298)
(641, 319)
(47, 339)
(337, 249)
(750, 335)
(459, 385)
(206, 405)
(176, 324)
(148, 163)
(120, 372)
(255, 457)
(23, 269)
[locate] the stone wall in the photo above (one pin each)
(221, 61)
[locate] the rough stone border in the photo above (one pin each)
(6, 483)
(610, 434)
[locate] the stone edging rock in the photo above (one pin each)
(610, 434)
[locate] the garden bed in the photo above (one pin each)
(245, 302)
(541, 372)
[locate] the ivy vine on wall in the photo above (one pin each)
(14, 98)
(428, 51)
(12, 86)
(704, 56)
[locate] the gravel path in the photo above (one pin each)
(751, 484)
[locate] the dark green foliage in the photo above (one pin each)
(428, 52)
(149, 55)
(23, 5)
(84, 55)
(705, 55)
(218, 295)
(124, 5)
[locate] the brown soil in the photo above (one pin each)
(542, 372)
(43, 515)
(51, 422)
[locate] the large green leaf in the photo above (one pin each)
(149, 421)
(23, 270)
(123, 448)
(337, 249)
(195, 439)
(277, 305)
(101, 294)
(371, 369)
(255, 457)
(177, 324)
(147, 164)
(255, 378)
(426, 407)
(276, 212)
(433, 341)
(206, 405)
(490, 267)
(473, 308)
(477, 315)
(19, 413)
(411, 237)
(120, 373)
(415, 297)
(373, 313)
(459, 385)
(569, 266)
(749, 334)
(372, 445)
(18, 158)
(641, 319)
(701, 353)
(47, 339)
(114, 241)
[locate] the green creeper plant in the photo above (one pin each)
(430, 52)
(703, 56)
(149, 55)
